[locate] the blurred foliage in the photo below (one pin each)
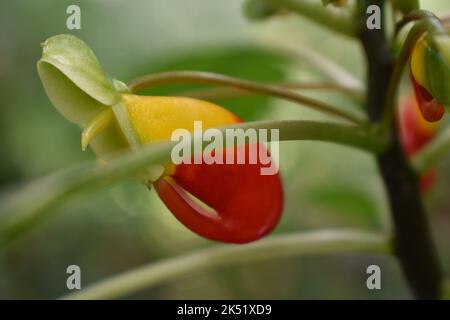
(117, 228)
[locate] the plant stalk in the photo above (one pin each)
(297, 244)
(413, 244)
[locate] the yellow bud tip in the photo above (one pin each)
(95, 126)
(418, 62)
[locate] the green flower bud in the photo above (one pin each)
(430, 66)
(79, 89)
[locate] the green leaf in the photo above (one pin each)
(74, 79)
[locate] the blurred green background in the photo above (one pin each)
(124, 226)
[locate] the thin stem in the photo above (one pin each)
(413, 16)
(337, 21)
(290, 130)
(232, 93)
(218, 79)
(30, 204)
(433, 152)
(300, 244)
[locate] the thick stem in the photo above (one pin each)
(412, 240)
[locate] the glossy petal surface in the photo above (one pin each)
(243, 204)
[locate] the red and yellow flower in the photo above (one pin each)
(239, 204)
(430, 74)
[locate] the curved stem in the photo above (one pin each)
(232, 93)
(29, 204)
(307, 243)
(413, 16)
(433, 152)
(213, 78)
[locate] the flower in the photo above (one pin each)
(238, 203)
(430, 74)
(415, 133)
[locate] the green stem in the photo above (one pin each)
(23, 209)
(233, 93)
(290, 130)
(337, 21)
(413, 16)
(219, 79)
(300, 244)
(433, 152)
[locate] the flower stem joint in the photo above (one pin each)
(239, 204)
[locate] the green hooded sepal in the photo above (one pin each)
(436, 62)
(73, 79)
(79, 89)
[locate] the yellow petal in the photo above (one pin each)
(418, 62)
(95, 126)
(155, 118)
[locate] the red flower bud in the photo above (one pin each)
(415, 132)
(244, 205)
(430, 108)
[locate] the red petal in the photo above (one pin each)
(431, 109)
(427, 180)
(415, 131)
(247, 204)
